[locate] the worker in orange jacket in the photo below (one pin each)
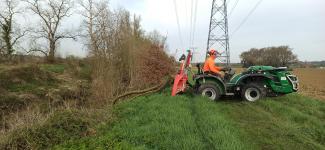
(209, 65)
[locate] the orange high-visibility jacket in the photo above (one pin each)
(209, 66)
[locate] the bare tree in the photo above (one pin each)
(10, 33)
(51, 13)
(90, 13)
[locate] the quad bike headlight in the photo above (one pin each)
(294, 81)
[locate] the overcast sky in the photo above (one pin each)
(297, 23)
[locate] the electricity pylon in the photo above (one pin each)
(218, 31)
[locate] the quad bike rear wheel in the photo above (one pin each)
(253, 92)
(210, 91)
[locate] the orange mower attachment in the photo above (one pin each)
(181, 77)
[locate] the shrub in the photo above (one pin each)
(25, 78)
(62, 126)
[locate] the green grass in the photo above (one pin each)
(55, 68)
(188, 122)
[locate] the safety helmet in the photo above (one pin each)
(213, 52)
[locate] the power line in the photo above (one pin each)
(186, 16)
(193, 18)
(233, 8)
(191, 23)
(178, 24)
(194, 23)
(246, 18)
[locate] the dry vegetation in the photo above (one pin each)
(124, 57)
(31, 95)
(46, 104)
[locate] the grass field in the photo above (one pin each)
(158, 121)
(188, 122)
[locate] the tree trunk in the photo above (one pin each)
(51, 56)
(7, 30)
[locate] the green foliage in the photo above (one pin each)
(60, 127)
(186, 122)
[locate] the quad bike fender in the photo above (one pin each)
(201, 79)
(247, 76)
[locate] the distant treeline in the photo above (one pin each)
(270, 56)
(312, 63)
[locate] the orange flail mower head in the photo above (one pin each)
(180, 81)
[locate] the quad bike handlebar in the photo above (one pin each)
(225, 69)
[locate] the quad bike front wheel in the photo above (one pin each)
(210, 91)
(253, 92)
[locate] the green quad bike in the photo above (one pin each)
(254, 83)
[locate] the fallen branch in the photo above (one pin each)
(138, 93)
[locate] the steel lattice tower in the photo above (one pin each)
(218, 31)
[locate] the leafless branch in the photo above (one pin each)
(38, 50)
(51, 12)
(20, 35)
(74, 37)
